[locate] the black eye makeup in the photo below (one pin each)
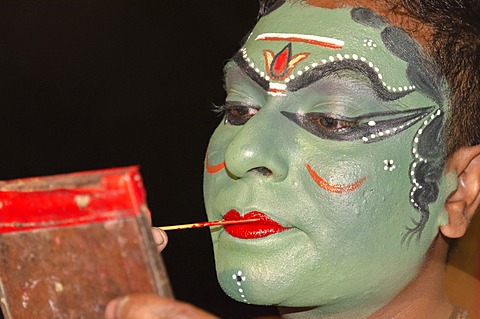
(371, 127)
(237, 113)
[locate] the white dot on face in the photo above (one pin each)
(370, 64)
(339, 56)
(331, 58)
(239, 283)
(372, 123)
(314, 65)
(240, 290)
(355, 57)
(365, 139)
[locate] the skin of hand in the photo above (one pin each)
(147, 306)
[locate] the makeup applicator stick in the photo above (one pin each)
(210, 224)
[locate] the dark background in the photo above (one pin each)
(89, 85)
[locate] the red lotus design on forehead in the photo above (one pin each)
(281, 65)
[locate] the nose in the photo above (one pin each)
(258, 150)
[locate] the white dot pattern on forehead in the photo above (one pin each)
(369, 44)
(331, 59)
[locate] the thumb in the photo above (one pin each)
(148, 306)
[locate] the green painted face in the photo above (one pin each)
(331, 139)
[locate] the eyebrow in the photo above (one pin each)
(249, 71)
(319, 72)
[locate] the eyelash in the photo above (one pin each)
(236, 113)
(331, 123)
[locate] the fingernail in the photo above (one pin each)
(158, 236)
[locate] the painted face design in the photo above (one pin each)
(331, 138)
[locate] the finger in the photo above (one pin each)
(160, 237)
(146, 306)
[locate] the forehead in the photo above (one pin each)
(296, 38)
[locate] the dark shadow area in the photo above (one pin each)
(89, 85)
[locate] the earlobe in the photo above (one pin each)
(462, 203)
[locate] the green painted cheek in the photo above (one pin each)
(339, 232)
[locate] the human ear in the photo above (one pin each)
(462, 203)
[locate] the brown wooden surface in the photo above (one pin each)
(72, 272)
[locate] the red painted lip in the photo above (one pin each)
(263, 228)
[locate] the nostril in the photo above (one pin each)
(261, 171)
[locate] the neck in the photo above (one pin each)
(424, 297)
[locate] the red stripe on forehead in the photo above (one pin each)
(301, 40)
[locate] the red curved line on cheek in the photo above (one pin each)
(213, 169)
(334, 188)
